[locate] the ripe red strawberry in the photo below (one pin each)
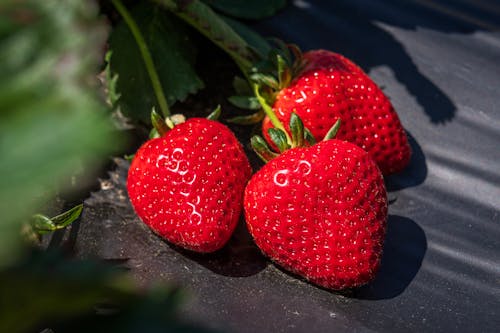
(188, 185)
(320, 212)
(329, 86)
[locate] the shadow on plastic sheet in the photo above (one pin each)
(414, 174)
(404, 250)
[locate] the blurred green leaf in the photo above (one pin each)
(51, 121)
(256, 9)
(46, 290)
(173, 54)
(258, 43)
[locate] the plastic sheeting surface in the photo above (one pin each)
(439, 61)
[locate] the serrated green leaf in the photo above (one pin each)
(245, 102)
(256, 9)
(173, 54)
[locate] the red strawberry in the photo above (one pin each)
(188, 185)
(320, 212)
(329, 86)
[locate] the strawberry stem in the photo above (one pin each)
(146, 56)
(270, 113)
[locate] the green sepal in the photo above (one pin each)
(153, 134)
(245, 102)
(297, 129)
(281, 49)
(260, 147)
(250, 119)
(158, 123)
(332, 132)
(241, 86)
(129, 157)
(309, 137)
(279, 138)
(284, 72)
(42, 224)
(266, 80)
(215, 115)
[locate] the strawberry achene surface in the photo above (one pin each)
(188, 185)
(320, 212)
(330, 87)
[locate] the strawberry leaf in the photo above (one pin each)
(256, 9)
(256, 42)
(173, 54)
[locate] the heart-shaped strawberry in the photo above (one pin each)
(187, 185)
(320, 212)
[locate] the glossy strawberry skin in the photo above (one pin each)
(188, 185)
(330, 87)
(320, 212)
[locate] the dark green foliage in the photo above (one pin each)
(255, 9)
(174, 56)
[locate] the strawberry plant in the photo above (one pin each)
(317, 209)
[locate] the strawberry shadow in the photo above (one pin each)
(240, 257)
(364, 31)
(404, 250)
(414, 174)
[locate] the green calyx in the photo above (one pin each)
(162, 125)
(301, 137)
